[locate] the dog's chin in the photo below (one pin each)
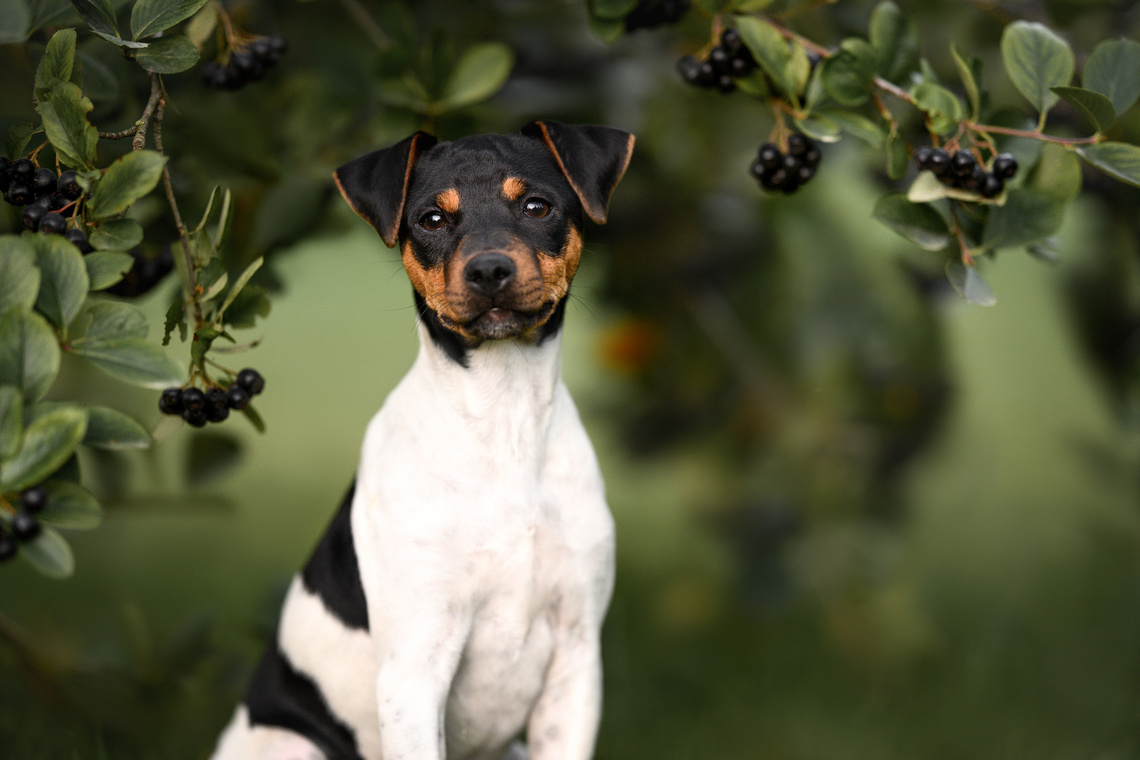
(503, 324)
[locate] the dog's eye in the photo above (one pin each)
(433, 220)
(536, 208)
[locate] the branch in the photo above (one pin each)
(138, 129)
(1033, 134)
(183, 237)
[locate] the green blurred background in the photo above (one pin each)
(857, 517)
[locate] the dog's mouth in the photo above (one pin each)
(498, 323)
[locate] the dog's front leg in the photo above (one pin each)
(564, 722)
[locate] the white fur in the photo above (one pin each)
(486, 554)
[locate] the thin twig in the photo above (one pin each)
(183, 237)
(155, 96)
(367, 24)
(1032, 134)
(120, 134)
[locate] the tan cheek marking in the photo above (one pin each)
(557, 272)
(429, 283)
(448, 200)
(513, 187)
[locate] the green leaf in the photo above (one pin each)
(1113, 70)
(175, 317)
(611, 10)
(211, 455)
(970, 284)
(48, 442)
(57, 61)
(239, 284)
(116, 40)
(927, 188)
(125, 181)
(29, 354)
(1036, 59)
(64, 282)
(249, 304)
(1027, 216)
(898, 160)
(858, 125)
(64, 112)
(107, 320)
(71, 506)
(895, 42)
(969, 73)
(133, 360)
(1120, 160)
(771, 51)
(1057, 173)
(19, 276)
(153, 16)
(918, 223)
(288, 212)
(15, 21)
(168, 55)
(847, 76)
(116, 235)
(201, 28)
(106, 268)
(17, 138)
(819, 127)
(478, 74)
(99, 15)
(940, 105)
(11, 420)
(1093, 105)
(111, 429)
(50, 554)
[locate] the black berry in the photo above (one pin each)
(939, 162)
(690, 69)
(196, 418)
(34, 499)
(25, 526)
(8, 546)
(991, 186)
(251, 381)
(217, 406)
(1005, 166)
(237, 398)
(963, 163)
(278, 44)
(797, 144)
(5, 177)
(22, 170)
(43, 182)
(19, 194)
(53, 223)
(193, 400)
(770, 156)
(170, 402)
(32, 216)
(68, 185)
(79, 238)
(922, 157)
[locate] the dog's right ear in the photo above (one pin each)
(376, 185)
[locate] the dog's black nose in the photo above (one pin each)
(489, 273)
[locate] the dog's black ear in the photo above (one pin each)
(593, 159)
(376, 185)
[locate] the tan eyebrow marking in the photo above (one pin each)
(448, 200)
(513, 187)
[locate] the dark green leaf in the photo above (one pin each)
(153, 16)
(106, 268)
(125, 181)
(968, 73)
(116, 235)
(242, 280)
(847, 75)
(1113, 70)
(254, 417)
(63, 278)
(105, 320)
(940, 105)
(918, 223)
(17, 138)
(288, 211)
(57, 61)
(898, 160)
(1027, 216)
(1120, 160)
(894, 41)
(47, 12)
(1057, 173)
(111, 429)
(819, 127)
(11, 420)
(252, 302)
(99, 15)
(99, 82)
(50, 554)
(15, 21)
(771, 51)
(1095, 106)
(19, 276)
(1036, 59)
(612, 10)
(175, 317)
(858, 125)
(478, 74)
(48, 442)
(133, 360)
(64, 112)
(29, 354)
(211, 455)
(116, 40)
(970, 284)
(71, 506)
(168, 55)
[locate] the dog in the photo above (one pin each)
(455, 602)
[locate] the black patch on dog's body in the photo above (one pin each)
(333, 572)
(450, 342)
(281, 697)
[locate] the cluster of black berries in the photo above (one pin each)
(43, 196)
(248, 63)
(198, 406)
(776, 170)
(25, 524)
(962, 170)
(146, 272)
(650, 14)
(730, 59)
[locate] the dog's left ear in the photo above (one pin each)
(593, 159)
(376, 185)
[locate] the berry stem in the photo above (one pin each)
(1034, 135)
(232, 38)
(967, 257)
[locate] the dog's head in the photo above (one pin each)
(490, 226)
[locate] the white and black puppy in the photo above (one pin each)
(456, 600)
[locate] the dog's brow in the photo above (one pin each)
(513, 187)
(448, 200)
